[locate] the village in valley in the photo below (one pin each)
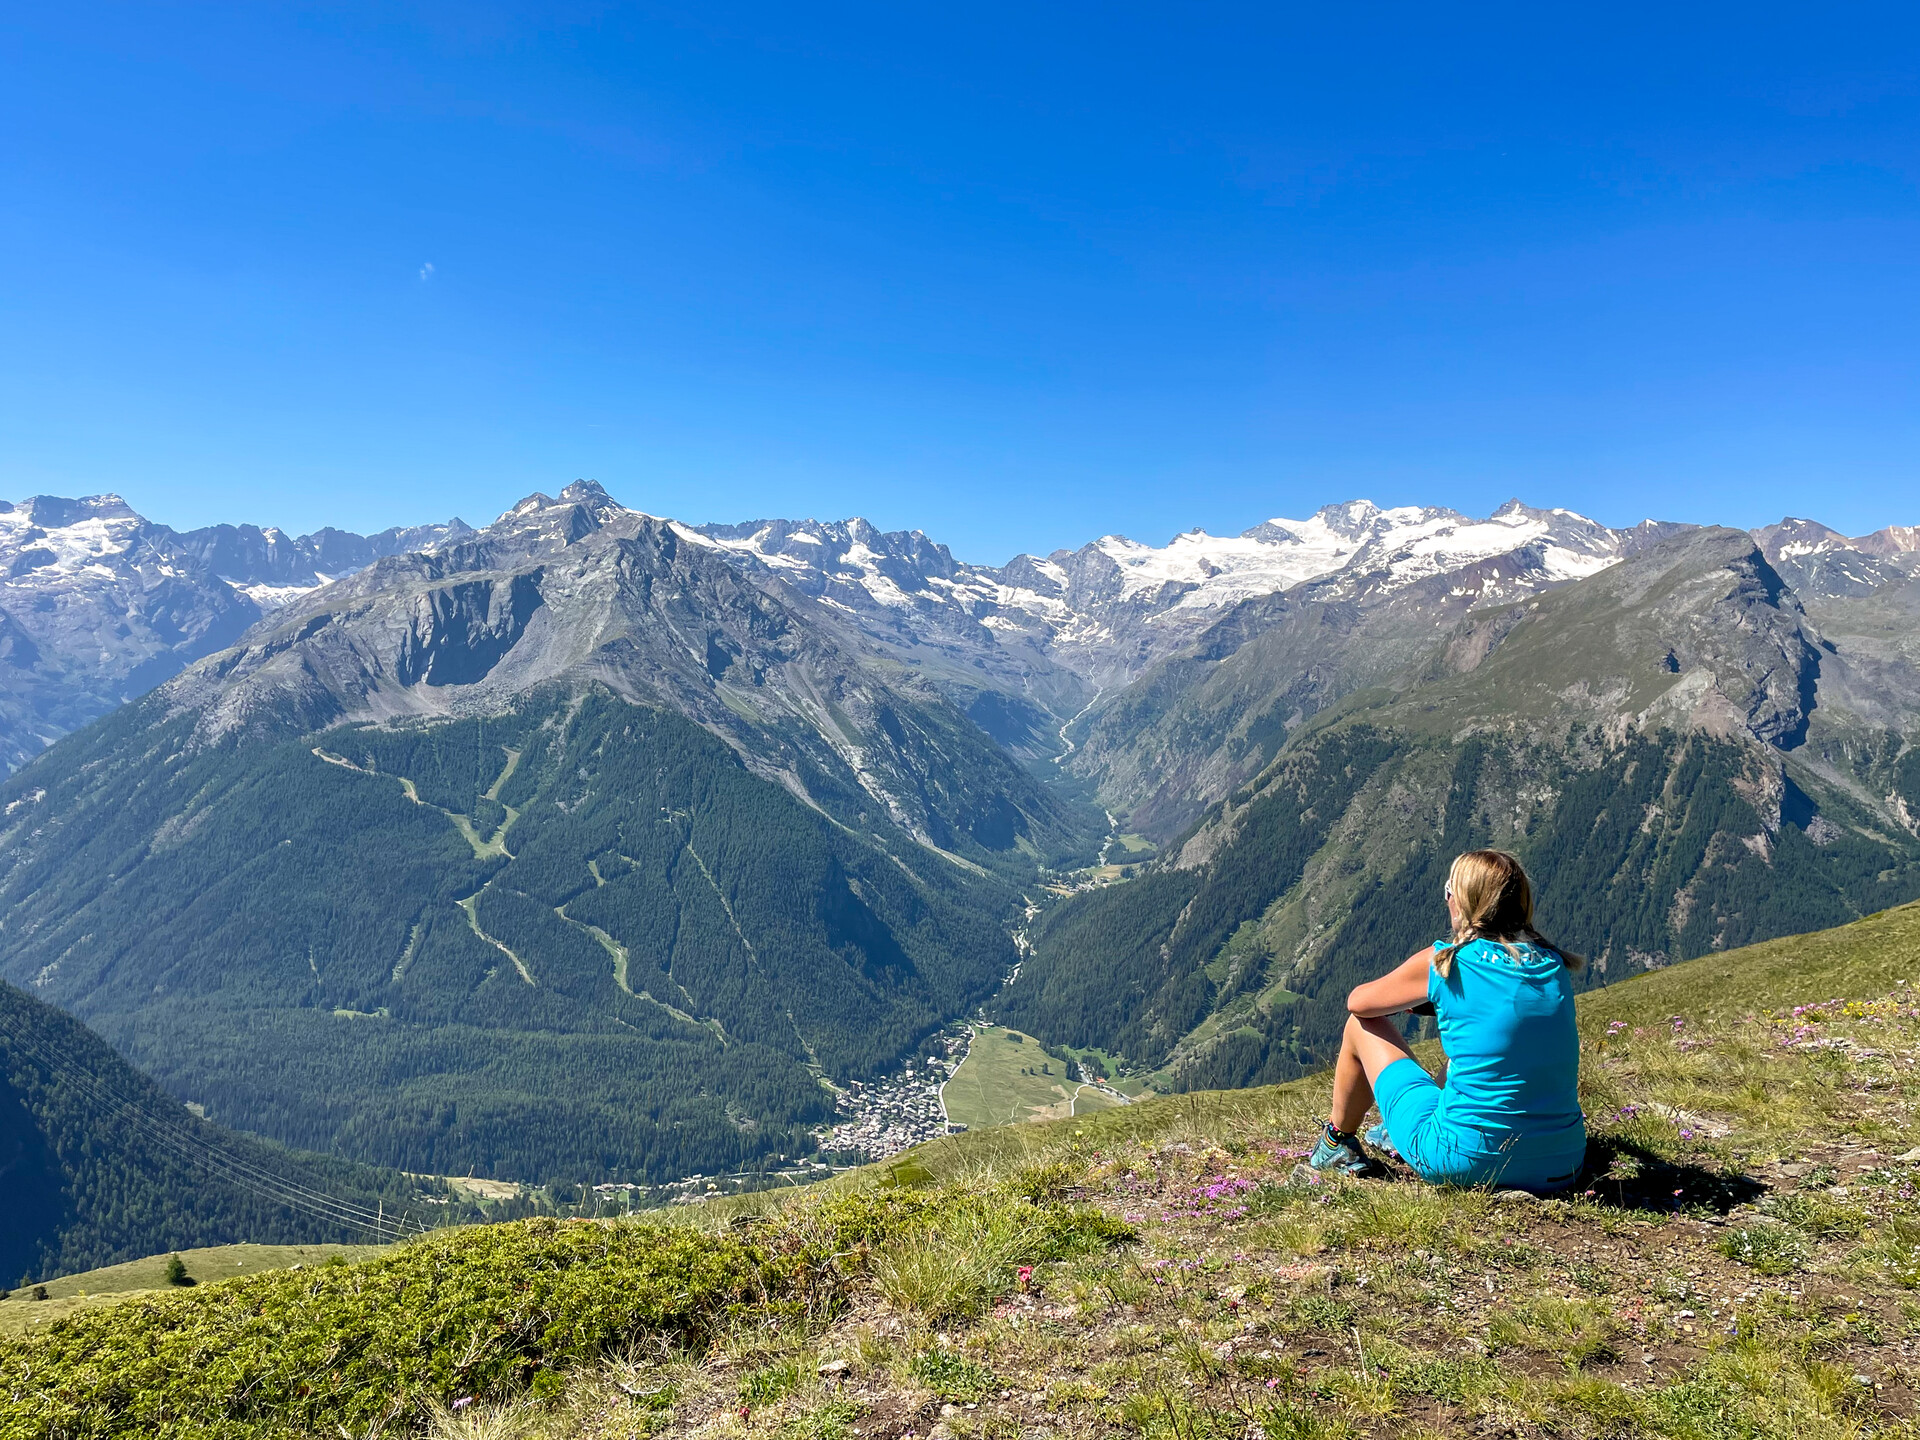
(886, 1116)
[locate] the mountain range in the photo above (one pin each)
(721, 815)
(98, 605)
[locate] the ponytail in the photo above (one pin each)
(1495, 900)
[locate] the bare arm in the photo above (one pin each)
(1401, 988)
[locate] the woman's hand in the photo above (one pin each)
(1401, 988)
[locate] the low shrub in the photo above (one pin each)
(1895, 1253)
(476, 1316)
(831, 1421)
(1578, 1331)
(1454, 1379)
(954, 1266)
(952, 1376)
(770, 1383)
(1771, 1248)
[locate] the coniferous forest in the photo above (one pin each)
(578, 940)
(99, 1165)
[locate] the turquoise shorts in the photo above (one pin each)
(1445, 1154)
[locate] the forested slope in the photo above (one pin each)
(576, 939)
(98, 1165)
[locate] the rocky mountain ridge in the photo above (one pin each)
(576, 588)
(97, 604)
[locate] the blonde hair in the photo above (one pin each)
(1495, 899)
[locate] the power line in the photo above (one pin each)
(194, 1149)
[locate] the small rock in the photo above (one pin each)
(946, 1410)
(1911, 1157)
(1795, 1171)
(1515, 1197)
(1303, 1174)
(835, 1367)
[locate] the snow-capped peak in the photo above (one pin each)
(1116, 602)
(1408, 542)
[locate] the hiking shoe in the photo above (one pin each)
(1378, 1139)
(1346, 1155)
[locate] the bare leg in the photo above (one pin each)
(1366, 1048)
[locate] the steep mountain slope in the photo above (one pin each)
(579, 588)
(98, 605)
(1864, 595)
(1206, 717)
(99, 1166)
(1665, 742)
(569, 797)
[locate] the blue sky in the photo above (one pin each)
(1015, 275)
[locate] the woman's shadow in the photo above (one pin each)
(1624, 1176)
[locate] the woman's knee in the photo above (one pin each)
(1350, 1035)
(1376, 1042)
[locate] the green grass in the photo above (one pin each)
(999, 1082)
(487, 1315)
(114, 1283)
(1744, 1262)
(1869, 957)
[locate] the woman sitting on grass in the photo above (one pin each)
(1509, 1114)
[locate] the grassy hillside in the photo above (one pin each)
(98, 1165)
(1007, 1078)
(574, 941)
(27, 1307)
(1743, 1261)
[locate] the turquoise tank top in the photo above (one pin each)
(1513, 1053)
